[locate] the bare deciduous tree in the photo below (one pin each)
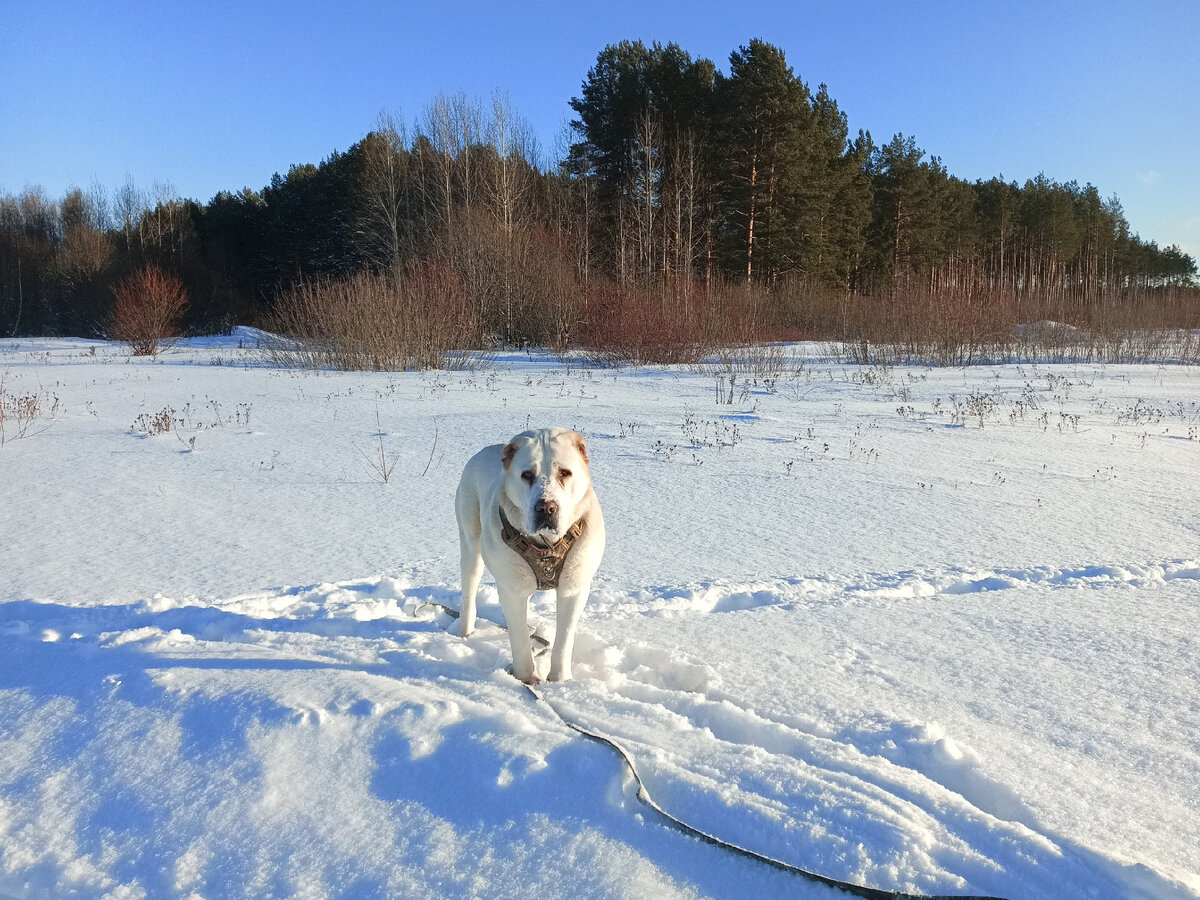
(129, 203)
(382, 189)
(509, 183)
(85, 250)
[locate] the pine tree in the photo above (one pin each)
(902, 227)
(832, 207)
(764, 116)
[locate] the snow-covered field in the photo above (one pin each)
(930, 630)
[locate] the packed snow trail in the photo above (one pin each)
(643, 794)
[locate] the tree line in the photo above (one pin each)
(681, 182)
(754, 176)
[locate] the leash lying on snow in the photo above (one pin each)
(643, 794)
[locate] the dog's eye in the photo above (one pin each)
(527, 476)
(564, 474)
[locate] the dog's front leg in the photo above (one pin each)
(472, 571)
(568, 607)
(516, 618)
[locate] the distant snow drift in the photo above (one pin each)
(930, 630)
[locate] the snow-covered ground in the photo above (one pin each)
(931, 630)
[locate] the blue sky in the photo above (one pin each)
(216, 95)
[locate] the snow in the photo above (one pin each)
(928, 630)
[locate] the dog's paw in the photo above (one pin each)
(530, 678)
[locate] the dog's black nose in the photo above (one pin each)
(545, 514)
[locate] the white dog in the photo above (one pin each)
(527, 510)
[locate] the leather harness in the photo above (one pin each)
(546, 562)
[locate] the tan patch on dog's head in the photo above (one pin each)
(577, 440)
(506, 456)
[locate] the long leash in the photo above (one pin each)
(643, 795)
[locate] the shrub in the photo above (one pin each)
(631, 325)
(149, 305)
(418, 319)
(943, 326)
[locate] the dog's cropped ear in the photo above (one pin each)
(510, 450)
(577, 440)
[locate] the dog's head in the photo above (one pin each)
(546, 477)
